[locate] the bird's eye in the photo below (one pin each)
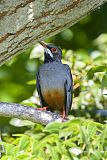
(54, 50)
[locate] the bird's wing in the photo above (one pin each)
(42, 102)
(68, 89)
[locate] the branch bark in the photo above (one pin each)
(27, 113)
(24, 22)
(15, 110)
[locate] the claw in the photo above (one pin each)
(43, 108)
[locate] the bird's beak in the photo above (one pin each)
(43, 44)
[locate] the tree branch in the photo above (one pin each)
(14, 110)
(23, 23)
(27, 113)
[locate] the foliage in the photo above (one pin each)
(76, 139)
(84, 136)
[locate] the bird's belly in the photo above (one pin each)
(53, 92)
(54, 98)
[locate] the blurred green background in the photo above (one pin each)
(84, 46)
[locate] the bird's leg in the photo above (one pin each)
(43, 108)
(63, 115)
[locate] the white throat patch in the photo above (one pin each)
(49, 52)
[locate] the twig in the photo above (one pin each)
(27, 113)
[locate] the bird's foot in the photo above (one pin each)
(43, 108)
(64, 116)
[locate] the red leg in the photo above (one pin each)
(63, 115)
(43, 108)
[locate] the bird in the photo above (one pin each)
(54, 82)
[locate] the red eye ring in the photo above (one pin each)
(54, 50)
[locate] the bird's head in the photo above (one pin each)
(51, 53)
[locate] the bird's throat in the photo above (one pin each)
(48, 59)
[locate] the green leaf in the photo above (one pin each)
(65, 132)
(84, 158)
(104, 135)
(96, 155)
(53, 152)
(53, 127)
(70, 128)
(7, 158)
(65, 157)
(23, 156)
(32, 82)
(15, 151)
(70, 143)
(24, 142)
(91, 129)
(105, 154)
(9, 149)
(73, 122)
(41, 144)
(84, 136)
(60, 147)
(35, 146)
(104, 81)
(95, 69)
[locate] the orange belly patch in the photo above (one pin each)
(55, 99)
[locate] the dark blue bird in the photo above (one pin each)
(54, 82)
